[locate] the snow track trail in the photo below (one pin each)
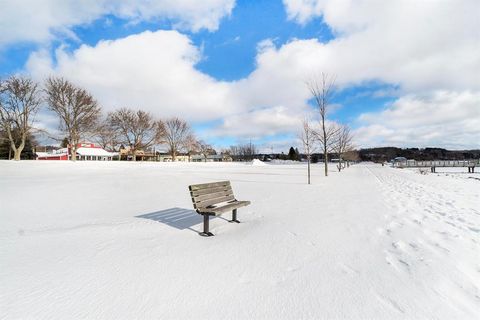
(78, 241)
(431, 224)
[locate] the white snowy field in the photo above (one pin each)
(111, 240)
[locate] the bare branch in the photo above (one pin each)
(308, 138)
(177, 133)
(77, 110)
(321, 93)
(343, 142)
(137, 129)
(19, 103)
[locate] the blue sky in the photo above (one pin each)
(252, 57)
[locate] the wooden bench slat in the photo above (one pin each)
(213, 195)
(208, 191)
(196, 187)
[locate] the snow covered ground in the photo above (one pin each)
(111, 240)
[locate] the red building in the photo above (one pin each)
(85, 151)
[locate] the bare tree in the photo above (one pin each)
(342, 143)
(177, 131)
(107, 136)
(234, 152)
(137, 129)
(322, 92)
(308, 138)
(205, 149)
(247, 151)
(19, 103)
(78, 111)
(191, 145)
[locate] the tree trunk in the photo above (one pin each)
(73, 153)
(17, 154)
(17, 150)
(308, 168)
(325, 156)
(325, 142)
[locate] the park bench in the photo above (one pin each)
(214, 199)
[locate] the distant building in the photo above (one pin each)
(212, 158)
(60, 154)
(399, 161)
(126, 153)
(166, 157)
(85, 151)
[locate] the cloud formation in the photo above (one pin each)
(41, 21)
(444, 118)
(153, 71)
(427, 50)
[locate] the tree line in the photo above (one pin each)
(383, 154)
(80, 117)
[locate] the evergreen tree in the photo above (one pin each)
(291, 154)
(297, 155)
(64, 143)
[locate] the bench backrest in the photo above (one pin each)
(209, 194)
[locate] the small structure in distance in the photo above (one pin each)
(85, 151)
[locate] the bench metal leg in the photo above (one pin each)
(234, 216)
(206, 232)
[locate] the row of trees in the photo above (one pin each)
(244, 152)
(80, 117)
(329, 136)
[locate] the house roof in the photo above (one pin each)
(94, 152)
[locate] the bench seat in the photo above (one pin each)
(218, 210)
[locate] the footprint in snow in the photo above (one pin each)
(347, 269)
(414, 246)
(390, 303)
(292, 269)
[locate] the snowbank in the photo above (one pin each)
(117, 240)
(258, 163)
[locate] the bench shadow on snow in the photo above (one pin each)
(178, 218)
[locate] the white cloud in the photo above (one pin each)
(260, 123)
(450, 119)
(42, 20)
(428, 50)
(419, 45)
(153, 71)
